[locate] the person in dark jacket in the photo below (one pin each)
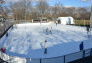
(88, 29)
(81, 46)
(45, 50)
(7, 34)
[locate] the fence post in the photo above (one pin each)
(27, 60)
(40, 60)
(83, 53)
(64, 58)
(91, 52)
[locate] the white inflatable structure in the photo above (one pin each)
(65, 20)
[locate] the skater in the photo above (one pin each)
(7, 34)
(40, 22)
(12, 27)
(82, 49)
(88, 30)
(47, 31)
(3, 50)
(50, 32)
(56, 23)
(81, 46)
(45, 51)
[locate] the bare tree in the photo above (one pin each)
(82, 13)
(42, 6)
(57, 9)
(3, 9)
(22, 9)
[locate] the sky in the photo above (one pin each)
(74, 3)
(68, 3)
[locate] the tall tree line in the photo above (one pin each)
(3, 9)
(27, 10)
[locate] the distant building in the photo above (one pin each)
(65, 20)
(41, 20)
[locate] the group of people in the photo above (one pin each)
(48, 31)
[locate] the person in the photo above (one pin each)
(12, 27)
(50, 30)
(3, 50)
(7, 34)
(47, 31)
(45, 50)
(88, 28)
(81, 46)
(56, 23)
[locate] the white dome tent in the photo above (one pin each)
(65, 20)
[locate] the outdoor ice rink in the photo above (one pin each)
(27, 40)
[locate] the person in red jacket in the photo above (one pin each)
(3, 50)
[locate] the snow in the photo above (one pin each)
(27, 40)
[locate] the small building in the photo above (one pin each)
(41, 20)
(35, 20)
(65, 20)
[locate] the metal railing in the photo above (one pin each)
(60, 59)
(65, 58)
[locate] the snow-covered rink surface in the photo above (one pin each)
(28, 40)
